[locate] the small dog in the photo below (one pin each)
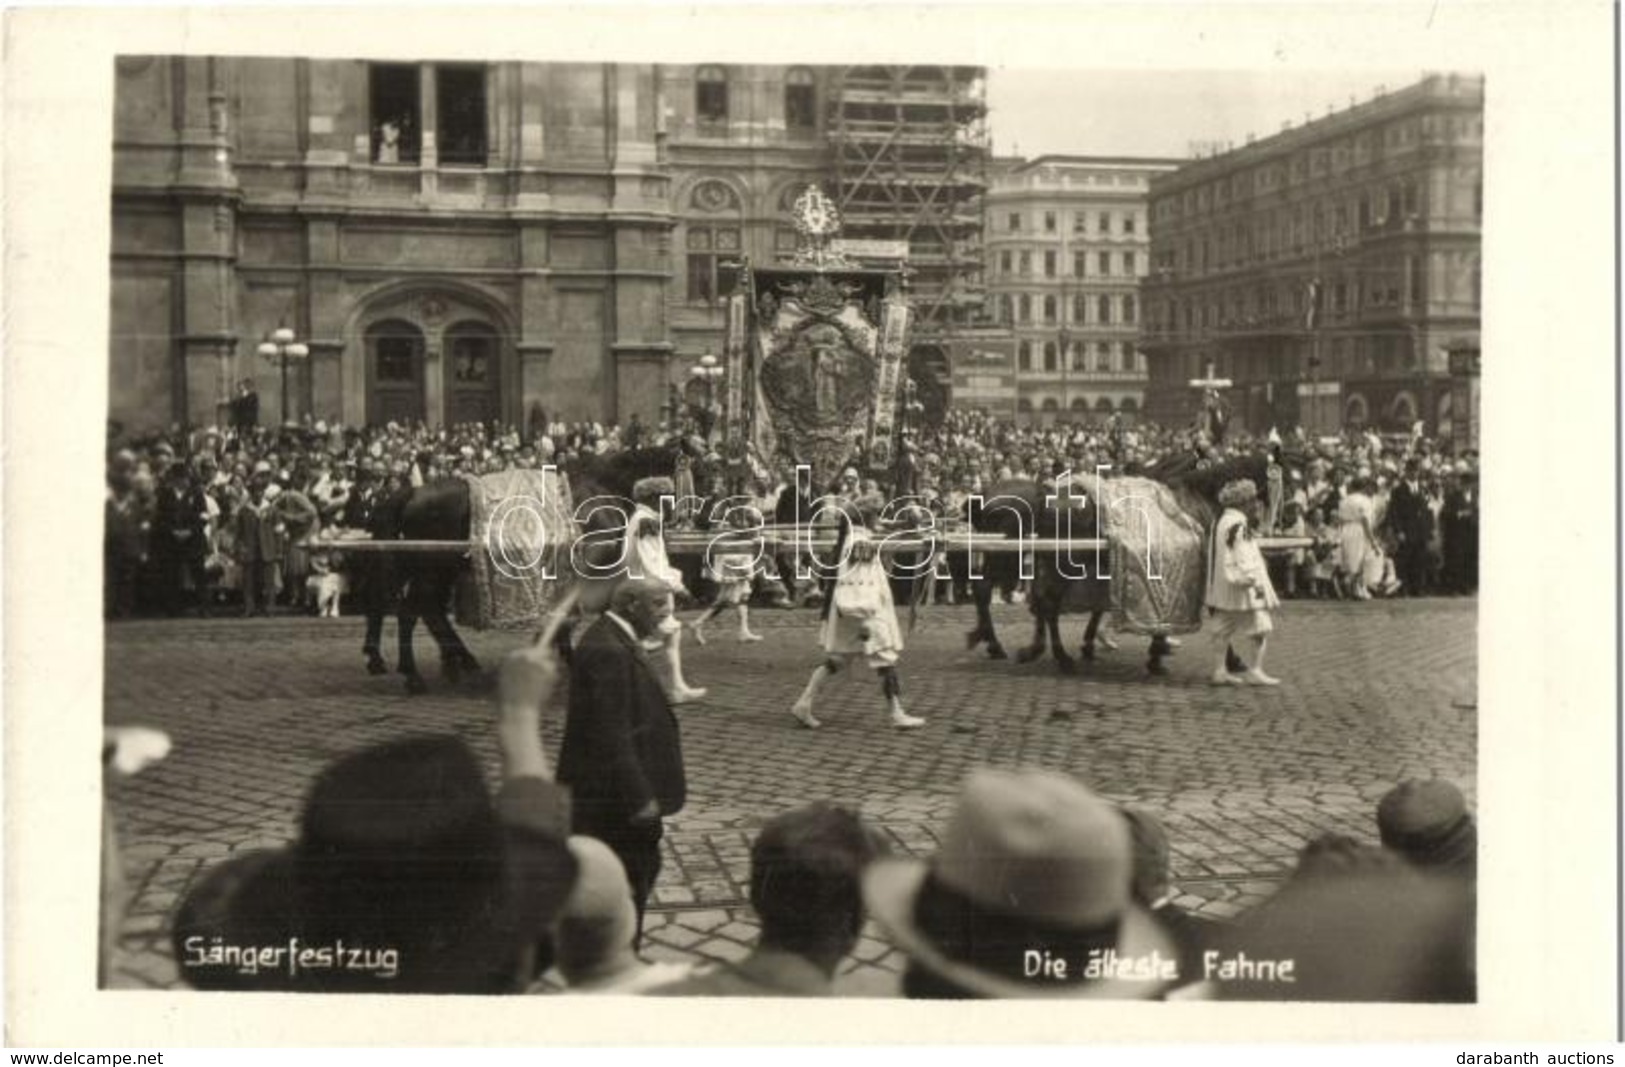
(326, 587)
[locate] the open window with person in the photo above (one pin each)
(396, 113)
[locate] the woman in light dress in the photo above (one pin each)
(1356, 522)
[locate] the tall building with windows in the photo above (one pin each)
(1066, 247)
(460, 241)
(1330, 271)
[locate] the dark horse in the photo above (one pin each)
(1015, 508)
(423, 584)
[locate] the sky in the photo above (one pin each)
(1159, 113)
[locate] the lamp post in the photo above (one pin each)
(708, 372)
(281, 346)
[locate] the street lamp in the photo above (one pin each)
(281, 346)
(708, 372)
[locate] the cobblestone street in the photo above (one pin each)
(1372, 693)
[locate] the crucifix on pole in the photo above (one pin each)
(1212, 417)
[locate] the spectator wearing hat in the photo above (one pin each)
(593, 940)
(806, 886)
(1029, 895)
(180, 523)
(1427, 822)
(261, 542)
(1239, 592)
(1410, 522)
(622, 752)
(1458, 520)
(430, 883)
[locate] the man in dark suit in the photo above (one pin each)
(1411, 521)
(622, 757)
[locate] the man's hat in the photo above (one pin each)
(1427, 822)
(1030, 861)
(401, 849)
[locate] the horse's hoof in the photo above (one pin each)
(996, 652)
(1155, 667)
(376, 665)
(1067, 664)
(972, 639)
(1086, 653)
(1027, 655)
(415, 685)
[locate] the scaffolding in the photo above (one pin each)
(910, 148)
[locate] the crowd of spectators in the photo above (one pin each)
(198, 519)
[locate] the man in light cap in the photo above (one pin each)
(1029, 895)
(622, 754)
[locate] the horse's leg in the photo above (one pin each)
(1090, 632)
(1036, 647)
(435, 607)
(982, 594)
(405, 623)
(1159, 651)
(1063, 659)
(370, 645)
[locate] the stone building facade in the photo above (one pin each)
(451, 241)
(1328, 271)
(1067, 244)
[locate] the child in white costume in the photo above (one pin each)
(647, 559)
(1238, 586)
(859, 620)
(733, 564)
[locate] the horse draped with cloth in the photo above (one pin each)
(501, 540)
(1152, 575)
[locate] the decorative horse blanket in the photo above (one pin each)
(521, 523)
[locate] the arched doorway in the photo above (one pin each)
(1403, 411)
(473, 375)
(1355, 413)
(395, 388)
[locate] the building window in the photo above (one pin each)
(1080, 361)
(1079, 311)
(1080, 262)
(1079, 222)
(1129, 310)
(800, 101)
(1128, 223)
(1050, 362)
(1004, 262)
(1103, 358)
(1026, 263)
(711, 95)
(1128, 264)
(1103, 310)
(1026, 304)
(1024, 355)
(1049, 222)
(1015, 222)
(1049, 264)
(710, 251)
(460, 97)
(1105, 223)
(1007, 312)
(396, 114)
(1049, 308)
(1104, 262)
